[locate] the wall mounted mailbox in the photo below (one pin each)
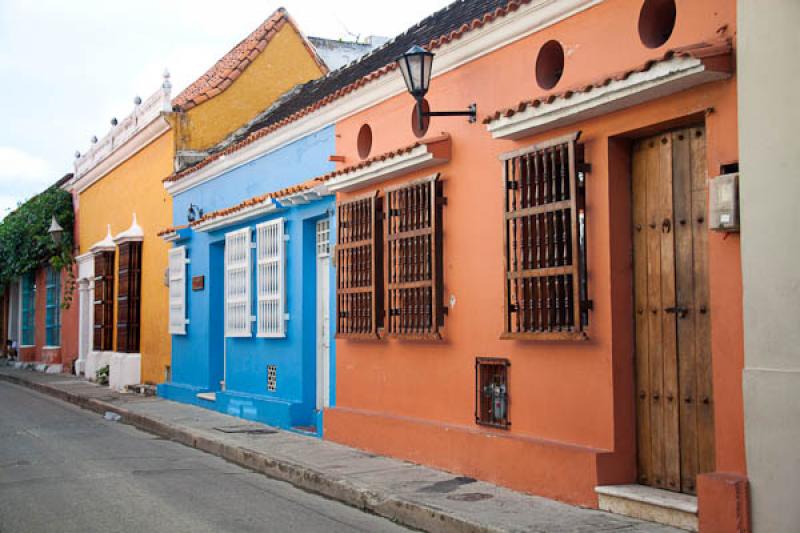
(723, 203)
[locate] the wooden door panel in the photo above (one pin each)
(642, 310)
(702, 316)
(684, 281)
(673, 359)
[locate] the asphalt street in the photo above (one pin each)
(63, 470)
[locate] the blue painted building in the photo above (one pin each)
(251, 287)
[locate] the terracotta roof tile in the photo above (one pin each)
(219, 77)
(707, 51)
(438, 29)
(171, 229)
(314, 182)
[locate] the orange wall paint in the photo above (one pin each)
(577, 396)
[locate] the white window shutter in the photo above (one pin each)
(177, 290)
(271, 278)
(237, 283)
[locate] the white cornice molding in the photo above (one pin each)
(664, 78)
(472, 45)
(416, 159)
(149, 133)
(267, 206)
(171, 236)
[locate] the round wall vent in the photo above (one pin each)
(656, 22)
(364, 141)
(549, 64)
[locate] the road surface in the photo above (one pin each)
(63, 469)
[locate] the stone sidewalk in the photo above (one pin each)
(415, 496)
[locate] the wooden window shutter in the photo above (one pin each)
(129, 297)
(103, 301)
(359, 268)
(545, 241)
(270, 279)
(237, 284)
(414, 259)
(177, 290)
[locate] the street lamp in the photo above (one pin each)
(416, 66)
(55, 231)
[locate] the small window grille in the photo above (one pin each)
(545, 241)
(414, 258)
(491, 394)
(359, 272)
(272, 378)
(323, 238)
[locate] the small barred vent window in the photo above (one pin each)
(359, 272)
(272, 378)
(414, 259)
(491, 394)
(545, 242)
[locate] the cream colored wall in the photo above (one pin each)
(136, 187)
(284, 63)
(769, 73)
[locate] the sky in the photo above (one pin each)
(68, 66)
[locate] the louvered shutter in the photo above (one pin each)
(270, 279)
(177, 290)
(103, 301)
(237, 283)
(129, 296)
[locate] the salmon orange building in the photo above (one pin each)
(547, 298)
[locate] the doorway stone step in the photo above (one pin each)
(648, 503)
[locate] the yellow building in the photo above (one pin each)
(122, 203)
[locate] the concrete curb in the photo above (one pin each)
(404, 512)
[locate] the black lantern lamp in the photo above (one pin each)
(416, 66)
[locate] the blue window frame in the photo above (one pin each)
(28, 309)
(53, 307)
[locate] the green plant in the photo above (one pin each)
(26, 245)
(101, 376)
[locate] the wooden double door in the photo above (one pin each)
(675, 424)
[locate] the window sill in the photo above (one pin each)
(58, 347)
(547, 336)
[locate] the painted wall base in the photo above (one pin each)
(273, 412)
(557, 470)
(94, 362)
(124, 370)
